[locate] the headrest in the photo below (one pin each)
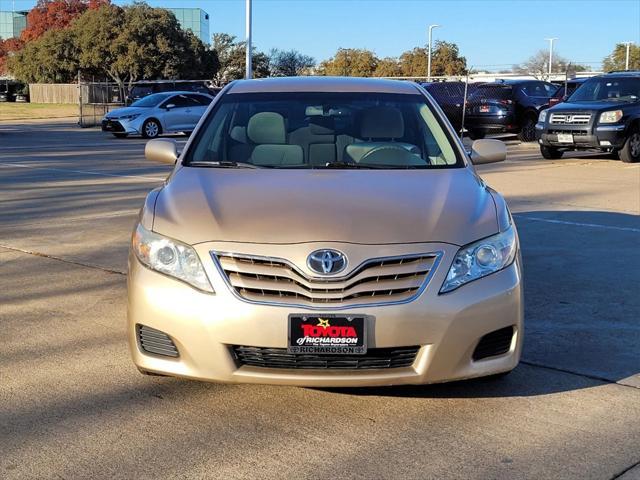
(319, 125)
(266, 128)
(382, 122)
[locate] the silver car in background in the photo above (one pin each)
(167, 112)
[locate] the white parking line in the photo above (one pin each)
(577, 224)
(10, 164)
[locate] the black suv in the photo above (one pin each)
(603, 114)
(507, 106)
(450, 97)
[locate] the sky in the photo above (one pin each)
(491, 34)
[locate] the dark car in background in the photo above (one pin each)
(450, 97)
(602, 114)
(565, 90)
(507, 106)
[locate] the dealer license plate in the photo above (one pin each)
(565, 138)
(331, 334)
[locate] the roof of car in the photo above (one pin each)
(623, 73)
(323, 84)
(182, 92)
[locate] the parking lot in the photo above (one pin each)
(72, 405)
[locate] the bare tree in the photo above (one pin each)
(538, 65)
(289, 63)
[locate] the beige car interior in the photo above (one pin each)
(380, 139)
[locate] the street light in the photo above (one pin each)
(248, 54)
(626, 63)
(550, 40)
(431, 27)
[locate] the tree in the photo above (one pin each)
(139, 42)
(446, 60)
(538, 65)
(388, 67)
(8, 47)
(617, 59)
(289, 63)
(52, 58)
(350, 62)
(55, 15)
(413, 63)
(231, 58)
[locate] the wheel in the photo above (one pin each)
(120, 135)
(630, 152)
(475, 134)
(151, 128)
(528, 130)
(550, 153)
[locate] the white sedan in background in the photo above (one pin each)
(167, 112)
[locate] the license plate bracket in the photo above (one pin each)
(327, 334)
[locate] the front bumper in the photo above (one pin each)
(120, 126)
(205, 327)
(585, 137)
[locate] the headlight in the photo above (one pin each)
(612, 116)
(130, 117)
(543, 116)
(481, 258)
(170, 257)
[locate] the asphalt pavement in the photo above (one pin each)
(72, 405)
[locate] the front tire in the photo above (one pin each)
(528, 130)
(630, 152)
(151, 128)
(550, 153)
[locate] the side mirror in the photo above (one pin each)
(163, 150)
(488, 151)
(169, 106)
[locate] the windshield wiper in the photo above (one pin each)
(222, 164)
(342, 164)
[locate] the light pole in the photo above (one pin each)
(431, 27)
(626, 63)
(248, 54)
(550, 40)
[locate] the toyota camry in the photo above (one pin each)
(325, 232)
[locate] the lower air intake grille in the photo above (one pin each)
(494, 343)
(375, 358)
(156, 342)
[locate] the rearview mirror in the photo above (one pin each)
(169, 106)
(163, 150)
(488, 151)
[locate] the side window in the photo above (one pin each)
(180, 101)
(200, 100)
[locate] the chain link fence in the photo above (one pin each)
(482, 104)
(96, 99)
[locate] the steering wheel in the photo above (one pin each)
(391, 155)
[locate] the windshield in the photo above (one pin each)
(323, 130)
(151, 100)
(492, 91)
(607, 89)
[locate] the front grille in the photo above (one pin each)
(375, 358)
(570, 118)
(384, 280)
(494, 343)
(156, 342)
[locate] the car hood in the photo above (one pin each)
(356, 206)
(587, 106)
(121, 112)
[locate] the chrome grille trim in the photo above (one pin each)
(570, 118)
(278, 282)
(156, 342)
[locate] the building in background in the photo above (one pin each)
(194, 19)
(12, 24)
